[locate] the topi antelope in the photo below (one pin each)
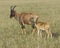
(24, 18)
(43, 26)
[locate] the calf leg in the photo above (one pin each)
(49, 33)
(41, 33)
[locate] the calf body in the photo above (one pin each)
(43, 26)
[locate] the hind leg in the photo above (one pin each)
(49, 33)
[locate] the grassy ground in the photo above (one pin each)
(10, 31)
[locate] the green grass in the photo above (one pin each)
(10, 31)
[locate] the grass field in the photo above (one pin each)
(10, 31)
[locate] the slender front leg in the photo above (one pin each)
(33, 30)
(23, 29)
(22, 26)
(40, 33)
(33, 25)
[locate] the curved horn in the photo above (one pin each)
(11, 7)
(14, 6)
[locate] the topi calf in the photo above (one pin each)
(43, 26)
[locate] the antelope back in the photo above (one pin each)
(28, 17)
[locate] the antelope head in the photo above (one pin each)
(12, 11)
